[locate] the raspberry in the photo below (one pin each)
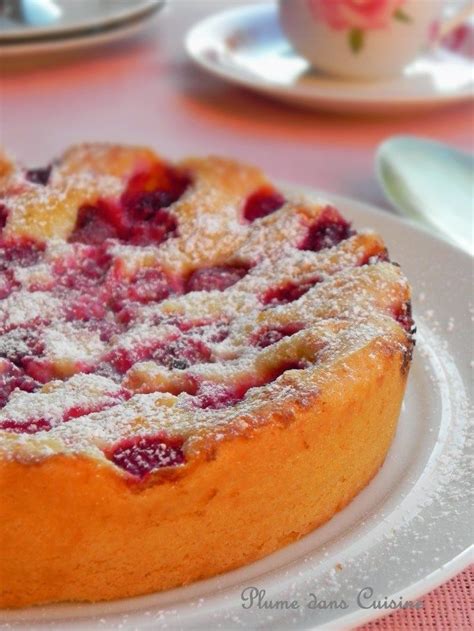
(138, 456)
(22, 252)
(262, 203)
(271, 335)
(182, 353)
(12, 377)
(219, 278)
(329, 230)
(39, 176)
(30, 426)
(403, 315)
(287, 293)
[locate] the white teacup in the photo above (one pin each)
(367, 39)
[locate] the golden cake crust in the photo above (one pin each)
(321, 375)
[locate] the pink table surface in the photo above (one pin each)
(146, 91)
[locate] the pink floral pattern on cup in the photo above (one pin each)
(358, 16)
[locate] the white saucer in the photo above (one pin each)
(76, 40)
(246, 46)
(406, 533)
(74, 16)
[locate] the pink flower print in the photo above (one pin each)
(360, 14)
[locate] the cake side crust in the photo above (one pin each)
(85, 533)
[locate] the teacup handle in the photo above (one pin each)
(451, 22)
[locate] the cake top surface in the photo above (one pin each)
(145, 306)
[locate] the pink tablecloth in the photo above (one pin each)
(145, 91)
(448, 607)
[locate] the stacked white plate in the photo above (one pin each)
(33, 26)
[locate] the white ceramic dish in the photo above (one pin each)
(407, 532)
(75, 16)
(74, 42)
(247, 46)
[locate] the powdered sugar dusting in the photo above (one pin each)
(110, 331)
(23, 307)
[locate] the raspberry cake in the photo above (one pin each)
(195, 370)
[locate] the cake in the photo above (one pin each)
(196, 369)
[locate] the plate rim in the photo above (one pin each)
(77, 41)
(311, 96)
(23, 36)
(457, 563)
(460, 562)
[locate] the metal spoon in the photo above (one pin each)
(430, 183)
(29, 12)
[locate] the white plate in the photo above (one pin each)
(246, 46)
(76, 41)
(74, 16)
(407, 532)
